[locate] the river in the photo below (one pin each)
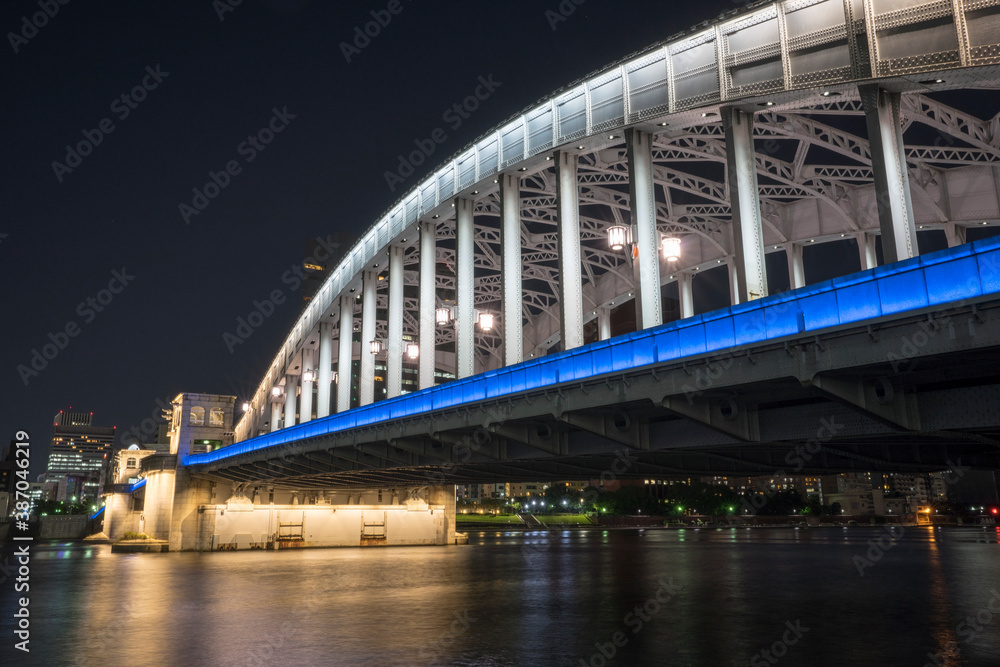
(714, 597)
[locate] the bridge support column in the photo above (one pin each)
(306, 402)
(892, 182)
(649, 310)
(796, 267)
(366, 369)
(570, 261)
(290, 403)
(345, 353)
(734, 282)
(324, 375)
(445, 495)
(604, 323)
(748, 234)
(275, 413)
(955, 234)
(465, 294)
(685, 293)
(866, 249)
(428, 303)
(394, 335)
(510, 247)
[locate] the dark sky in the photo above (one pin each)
(117, 210)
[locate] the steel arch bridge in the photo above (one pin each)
(777, 127)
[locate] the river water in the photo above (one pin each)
(716, 597)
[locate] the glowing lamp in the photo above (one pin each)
(412, 351)
(308, 376)
(246, 406)
(486, 321)
(335, 377)
(376, 346)
(671, 248)
(617, 237)
(276, 391)
(442, 316)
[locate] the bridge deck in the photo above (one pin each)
(942, 280)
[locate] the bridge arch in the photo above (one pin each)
(773, 128)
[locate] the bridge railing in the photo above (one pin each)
(934, 280)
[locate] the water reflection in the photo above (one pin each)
(526, 598)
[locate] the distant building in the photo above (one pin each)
(76, 455)
(7, 468)
(807, 485)
(320, 256)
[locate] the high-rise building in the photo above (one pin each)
(78, 452)
(321, 255)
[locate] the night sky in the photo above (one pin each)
(206, 85)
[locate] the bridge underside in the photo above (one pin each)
(914, 393)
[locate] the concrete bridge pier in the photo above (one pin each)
(286, 519)
(118, 515)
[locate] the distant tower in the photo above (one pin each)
(77, 453)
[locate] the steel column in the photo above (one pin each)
(465, 277)
(305, 409)
(604, 323)
(394, 329)
(346, 353)
(428, 303)
(324, 376)
(366, 369)
(955, 234)
(892, 182)
(647, 238)
(866, 250)
(570, 260)
(290, 386)
(748, 233)
(510, 248)
(275, 414)
(685, 294)
(734, 282)
(796, 268)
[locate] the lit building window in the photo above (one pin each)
(131, 462)
(197, 416)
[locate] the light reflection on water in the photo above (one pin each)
(524, 598)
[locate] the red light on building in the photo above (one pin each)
(994, 510)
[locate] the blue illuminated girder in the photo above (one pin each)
(936, 279)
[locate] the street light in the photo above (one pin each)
(376, 346)
(671, 248)
(442, 316)
(246, 406)
(412, 351)
(276, 391)
(617, 236)
(308, 376)
(486, 322)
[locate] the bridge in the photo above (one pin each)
(541, 306)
